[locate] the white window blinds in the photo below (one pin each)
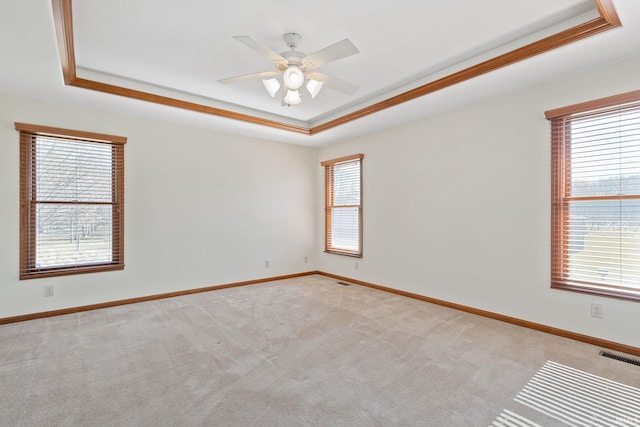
(72, 191)
(343, 205)
(596, 200)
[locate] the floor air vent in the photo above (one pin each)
(620, 358)
(344, 283)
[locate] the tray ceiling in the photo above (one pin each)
(172, 53)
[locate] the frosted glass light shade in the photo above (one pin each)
(272, 86)
(293, 78)
(292, 98)
(314, 86)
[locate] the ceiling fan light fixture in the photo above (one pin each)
(293, 78)
(292, 98)
(272, 86)
(314, 86)
(292, 68)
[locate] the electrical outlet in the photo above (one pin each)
(266, 263)
(596, 311)
(357, 266)
(306, 259)
(48, 291)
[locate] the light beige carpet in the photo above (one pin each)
(299, 352)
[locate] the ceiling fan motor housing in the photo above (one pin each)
(292, 56)
(292, 40)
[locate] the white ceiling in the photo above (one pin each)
(181, 48)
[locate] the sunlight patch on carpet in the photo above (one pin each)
(509, 418)
(578, 398)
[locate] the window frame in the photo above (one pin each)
(28, 223)
(329, 190)
(560, 193)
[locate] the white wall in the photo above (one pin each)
(201, 209)
(457, 207)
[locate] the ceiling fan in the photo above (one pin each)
(294, 68)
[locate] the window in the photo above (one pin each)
(343, 205)
(71, 201)
(596, 197)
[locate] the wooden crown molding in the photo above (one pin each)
(63, 20)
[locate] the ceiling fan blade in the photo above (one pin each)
(336, 51)
(248, 76)
(335, 83)
(260, 48)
